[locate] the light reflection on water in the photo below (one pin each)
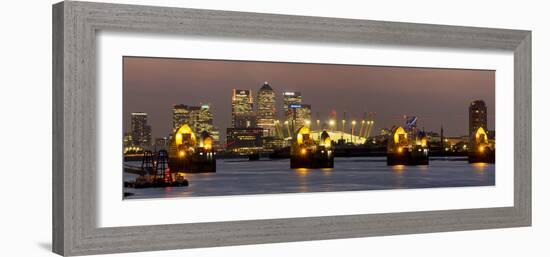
(480, 166)
(482, 169)
(302, 171)
(303, 181)
(398, 168)
(349, 174)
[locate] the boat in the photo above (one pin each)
(155, 172)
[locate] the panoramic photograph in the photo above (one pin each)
(197, 127)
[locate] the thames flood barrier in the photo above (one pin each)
(312, 130)
(305, 152)
(407, 146)
(189, 154)
(481, 148)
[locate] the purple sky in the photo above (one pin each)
(437, 96)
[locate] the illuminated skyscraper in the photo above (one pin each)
(193, 120)
(199, 118)
(140, 131)
(296, 113)
(266, 113)
(478, 116)
(242, 112)
(291, 101)
(180, 116)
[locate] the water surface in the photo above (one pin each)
(243, 177)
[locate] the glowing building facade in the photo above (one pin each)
(242, 112)
(244, 140)
(266, 111)
(291, 101)
(297, 114)
(180, 116)
(199, 118)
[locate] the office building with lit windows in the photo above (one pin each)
(291, 101)
(244, 140)
(180, 116)
(266, 111)
(296, 114)
(140, 130)
(199, 119)
(242, 112)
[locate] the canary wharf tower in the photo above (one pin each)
(266, 112)
(242, 112)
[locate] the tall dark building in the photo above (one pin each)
(478, 116)
(242, 112)
(140, 130)
(266, 112)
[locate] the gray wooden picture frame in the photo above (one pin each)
(75, 25)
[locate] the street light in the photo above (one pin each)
(352, 130)
(369, 128)
(343, 129)
(361, 130)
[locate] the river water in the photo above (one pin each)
(243, 177)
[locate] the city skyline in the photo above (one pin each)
(152, 85)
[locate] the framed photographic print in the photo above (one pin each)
(181, 128)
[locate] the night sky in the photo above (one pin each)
(436, 96)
